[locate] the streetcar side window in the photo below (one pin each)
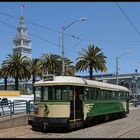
(70, 93)
(58, 94)
(93, 93)
(97, 94)
(61, 92)
(104, 94)
(65, 94)
(50, 93)
(113, 95)
(87, 93)
(123, 95)
(37, 94)
(79, 92)
(127, 95)
(45, 93)
(116, 95)
(120, 95)
(42, 94)
(109, 95)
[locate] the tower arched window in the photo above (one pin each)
(25, 43)
(18, 43)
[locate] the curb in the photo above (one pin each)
(16, 120)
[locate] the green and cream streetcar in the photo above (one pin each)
(66, 101)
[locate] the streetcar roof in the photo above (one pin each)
(79, 81)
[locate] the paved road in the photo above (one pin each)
(128, 127)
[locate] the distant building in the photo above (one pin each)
(22, 42)
(131, 81)
(25, 86)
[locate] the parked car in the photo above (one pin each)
(4, 101)
(135, 102)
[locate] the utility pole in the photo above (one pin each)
(63, 29)
(136, 87)
(117, 58)
(116, 70)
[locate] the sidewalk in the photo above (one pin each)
(131, 107)
(15, 120)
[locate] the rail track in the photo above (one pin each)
(126, 131)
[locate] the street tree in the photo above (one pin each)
(92, 59)
(17, 67)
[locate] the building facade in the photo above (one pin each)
(131, 81)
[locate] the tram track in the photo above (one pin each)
(126, 131)
(39, 135)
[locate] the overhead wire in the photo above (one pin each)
(54, 30)
(41, 26)
(129, 20)
(40, 38)
(51, 29)
(30, 34)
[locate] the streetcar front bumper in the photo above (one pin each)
(44, 122)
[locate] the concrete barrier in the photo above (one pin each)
(15, 120)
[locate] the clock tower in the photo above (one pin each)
(22, 42)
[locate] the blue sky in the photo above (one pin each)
(105, 26)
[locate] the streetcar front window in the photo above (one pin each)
(48, 93)
(43, 93)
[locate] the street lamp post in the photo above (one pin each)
(63, 29)
(136, 91)
(117, 58)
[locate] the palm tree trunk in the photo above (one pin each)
(16, 83)
(33, 81)
(91, 72)
(5, 83)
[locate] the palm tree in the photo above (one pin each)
(35, 69)
(69, 68)
(4, 74)
(18, 67)
(50, 63)
(91, 58)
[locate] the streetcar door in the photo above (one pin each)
(76, 104)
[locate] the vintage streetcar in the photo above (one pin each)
(69, 102)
